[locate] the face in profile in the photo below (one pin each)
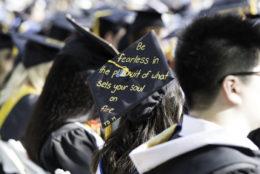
(251, 97)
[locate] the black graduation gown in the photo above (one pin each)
(212, 159)
(255, 137)
(70, 148)
(17, 120)
(201, 149)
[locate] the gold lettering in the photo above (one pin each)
(140, 46)
(107, 109)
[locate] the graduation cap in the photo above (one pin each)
(38, 49)
(112, 20)
(58, 27)
(238, 7)
(122, 17)
(129, 78)
(149, 15)
(146, 18)
(95, 42)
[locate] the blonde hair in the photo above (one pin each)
(6, 64)
(34, 76)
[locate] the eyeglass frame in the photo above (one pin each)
(240, 74)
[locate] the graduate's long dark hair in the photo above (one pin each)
(129, 134)
(66, 95)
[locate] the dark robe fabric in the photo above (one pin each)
(212, 159)
(200, 147)
(16, 121)
(69, 148)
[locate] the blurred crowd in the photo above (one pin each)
(56, 110)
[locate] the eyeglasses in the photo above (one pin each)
(240, 74)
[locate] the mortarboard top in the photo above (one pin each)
(95, 41)
(239, 7)
(59, 20)
(38, 49)
(42, 40)
(111, 19)
(121, 17)
(115, 20)
(147, 16)
(129, 78)
(58, 27)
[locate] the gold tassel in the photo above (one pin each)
(98, 15)
(108, 131)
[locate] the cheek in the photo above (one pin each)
(251, 99)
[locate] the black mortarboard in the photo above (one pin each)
(120, 16)
(58, 27)
(149, 15)
(224, 7)
(146, 18)
(38, 49)
(126, 80)
(111, 19)
(96, 43)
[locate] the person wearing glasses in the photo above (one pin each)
(218, 66)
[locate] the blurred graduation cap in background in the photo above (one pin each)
(147, 18)
(59, 28)
(96, 43)
(38, 49)
(149, 15)
(127, 80)
(111, 20)
(238, 7)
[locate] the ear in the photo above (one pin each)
(231, 87)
